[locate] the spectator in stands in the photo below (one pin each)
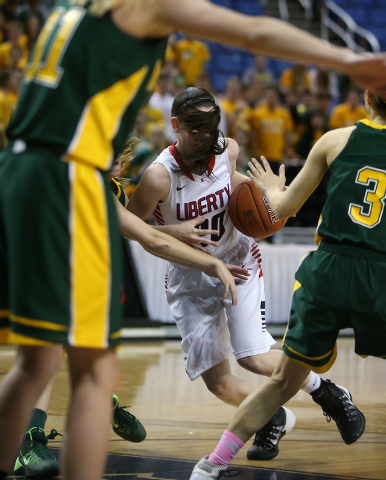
(295, 78)
(15, 37)
(348, 113)
(272, 129)
(14, 86)
(8, 8)
(259, 72)
(6, 103)
(236, 110)
(251, 93)
(191, 56)
(314, 129)
(178, 84)
(2, 27)
(162, 100)
(243, 137)
(15, 56)
(323, 80)
(33, 27)
(31, 7)
(307, 101)
(170, 61)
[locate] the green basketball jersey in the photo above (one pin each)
(354, 210)
(83, 86)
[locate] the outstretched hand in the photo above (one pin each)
(368, 72)
(264, 179)
(187, 232)
(239, 273)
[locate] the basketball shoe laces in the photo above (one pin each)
(123, 417)
(39, 442)
(344, 411)
(269, 435)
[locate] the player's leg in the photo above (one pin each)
(20, 389)
(93, 379)
(256, 410)
(34, 442)
(228, 387)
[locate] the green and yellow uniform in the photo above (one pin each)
(59, 238)
(341, 285)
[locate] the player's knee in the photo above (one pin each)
(39, 364)
(219, 388)
(255, 364)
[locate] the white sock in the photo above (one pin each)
(313, 383)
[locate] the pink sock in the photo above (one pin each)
(226, 449)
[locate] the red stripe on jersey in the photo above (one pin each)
(173, 151)
(157, 214)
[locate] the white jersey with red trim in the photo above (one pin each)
(194, 196)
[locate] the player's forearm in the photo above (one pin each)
(270, 36)
(168, 229)
(171, 249)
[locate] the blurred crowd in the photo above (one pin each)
(20, 25)
(280, 117)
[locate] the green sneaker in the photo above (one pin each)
(35, 460)
(126, 425)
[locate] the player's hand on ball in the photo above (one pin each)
(190, 233)
(264, 178)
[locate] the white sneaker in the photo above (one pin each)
(206, 470)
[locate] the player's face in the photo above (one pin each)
(187, 139)
(116, 167)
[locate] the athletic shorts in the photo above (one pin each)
(337, 286)
(210, 328)
(60, 253)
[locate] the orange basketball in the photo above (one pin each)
(251, 213)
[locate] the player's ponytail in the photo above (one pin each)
(204, 124)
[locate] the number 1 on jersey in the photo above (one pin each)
(52, 44)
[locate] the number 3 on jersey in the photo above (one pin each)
(370, 214)
(51, 46)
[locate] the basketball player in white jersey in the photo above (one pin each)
(191, 181)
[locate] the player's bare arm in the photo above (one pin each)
(258, 34)
(168, 248)
(233, 152)
(287, 202)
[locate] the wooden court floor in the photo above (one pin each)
(184, 421)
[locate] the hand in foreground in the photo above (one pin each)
(239, 273)
(368, 72)
(188, 233)
(266, 180)
(226, 278)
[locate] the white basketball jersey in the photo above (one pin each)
(193, 196)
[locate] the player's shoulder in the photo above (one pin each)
(156, 178)
(335, 139)
(232, 148)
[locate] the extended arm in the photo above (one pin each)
(286, 202)
(166, 247)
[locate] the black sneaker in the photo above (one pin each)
(34, 460)
(337, 404)
(126, 425)
(266, 443)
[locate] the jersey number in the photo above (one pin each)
(217, 223)
(52, 44)
(371, 212)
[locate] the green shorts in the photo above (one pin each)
(337, 286)
(60, 253)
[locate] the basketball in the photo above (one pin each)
(251, 213)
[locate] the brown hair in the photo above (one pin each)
(378, 104)
(210, 140)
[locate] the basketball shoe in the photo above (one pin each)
(337, 404)
(206, 470)
(34, 460)
(266, 443)
(126, 425)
